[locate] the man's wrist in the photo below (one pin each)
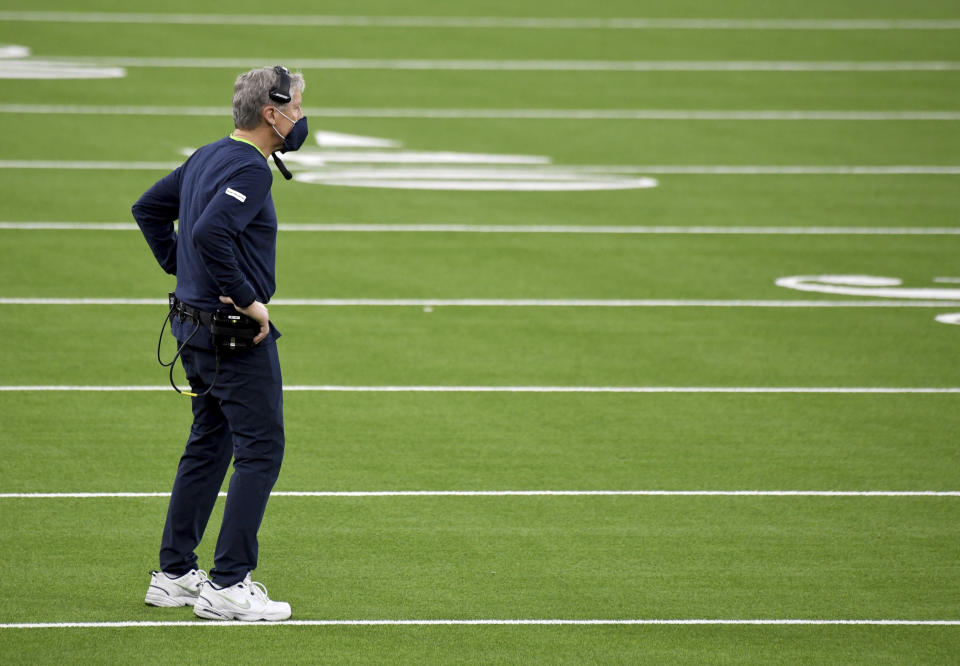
(245, 297)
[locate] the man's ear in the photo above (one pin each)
(269, 115)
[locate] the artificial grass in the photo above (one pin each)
(507, 557)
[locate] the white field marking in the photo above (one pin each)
(756, 170)
(523, 389)
(456, 171)
(533, 229)
(472, 177)
(497, 114)
(516, 303)
(413, 157)
(14, 65)
(342, 140)
(739, 170)
(475, 177)
(445, 170)
(864, 285)
(462, 180)
(14, 51)
(87, 165)
(947, 280)
(654, 169)
(81, 301)
(530, 65)
(47, 69)
(371, 170)
(623, 23)
(952, 318)
(526, 493)
(526, 622)
(610, 229)
(81, 226)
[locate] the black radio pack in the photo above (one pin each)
(232, 331)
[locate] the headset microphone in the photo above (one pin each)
(282, 167)
(280, 94)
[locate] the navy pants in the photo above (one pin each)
(241, 417)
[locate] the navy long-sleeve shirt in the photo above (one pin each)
(227, 239)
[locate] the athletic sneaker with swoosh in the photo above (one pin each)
(165, 590)
(246, 601)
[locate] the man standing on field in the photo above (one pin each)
(223, 255)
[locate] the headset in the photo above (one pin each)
(280, 94)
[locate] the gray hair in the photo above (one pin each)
(251, 94)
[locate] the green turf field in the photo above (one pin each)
(535, 402)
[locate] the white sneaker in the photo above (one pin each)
(181, 591)
(246, 601)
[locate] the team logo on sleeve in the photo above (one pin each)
(239, 196)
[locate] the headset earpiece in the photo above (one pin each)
(280, 93)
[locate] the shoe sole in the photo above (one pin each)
(208, 613)
(166, 601)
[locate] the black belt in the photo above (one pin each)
(229, 330)
(182, 310)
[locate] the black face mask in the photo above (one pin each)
(296, 136)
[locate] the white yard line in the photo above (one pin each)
(880, 390)
(487, 622)
(500, 114)
(527, 229)
(498, 22)
(767, 170)
(608, 229)
(88, 165)
(518, 302)
(73, 226)
(670, 169)
(524, 493)
(527, 65)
